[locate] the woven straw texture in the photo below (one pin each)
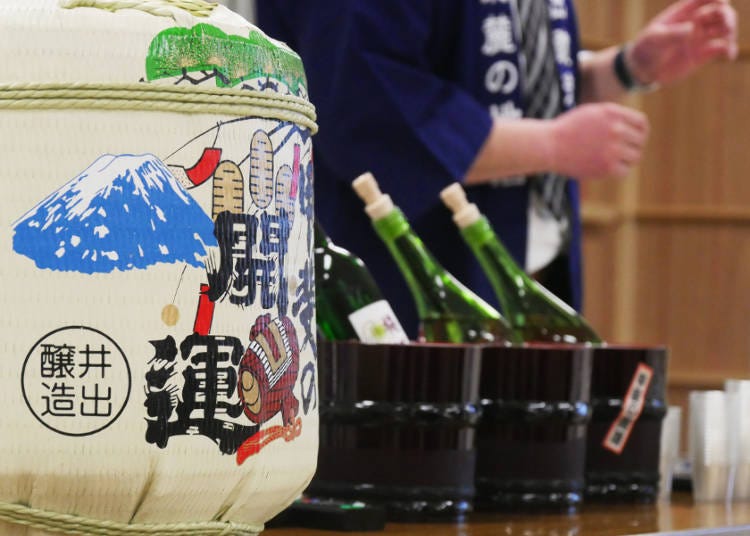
(159, 363)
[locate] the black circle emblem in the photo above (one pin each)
(76, 380)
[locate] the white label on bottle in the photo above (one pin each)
(376, 323)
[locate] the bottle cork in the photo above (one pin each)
(377, 204)
(464, 213)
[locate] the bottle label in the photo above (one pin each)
(377, 323)
(632, 406)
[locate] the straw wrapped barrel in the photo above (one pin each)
(158, 343)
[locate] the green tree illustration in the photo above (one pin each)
(229, 59)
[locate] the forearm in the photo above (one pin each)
(590, 141)
(513, 147)
(599, 83)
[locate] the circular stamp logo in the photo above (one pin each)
(76, 381)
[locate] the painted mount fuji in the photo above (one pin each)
(123, 212)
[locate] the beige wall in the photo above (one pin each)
(667, 251)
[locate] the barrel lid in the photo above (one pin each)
(189, 43)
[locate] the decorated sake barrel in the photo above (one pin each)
(397, 427)
(158, 344)
(628, 399)
(531, 439)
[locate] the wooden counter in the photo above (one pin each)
(680, 516)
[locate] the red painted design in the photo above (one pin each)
(204, 316)
(269, 369)
(255, 444)
(295, 172)
(205, 167)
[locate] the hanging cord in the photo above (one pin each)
(79, 525)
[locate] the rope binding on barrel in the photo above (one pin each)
(152, 97)
(160, 8)
(58, 523)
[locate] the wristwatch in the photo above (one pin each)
(626, 78)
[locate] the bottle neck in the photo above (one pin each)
(529, 307)
(415, 262)
(507, 278)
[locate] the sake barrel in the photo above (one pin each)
(158, 371)
(398, 423)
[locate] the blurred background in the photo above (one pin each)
(667, 251)
(243, 7)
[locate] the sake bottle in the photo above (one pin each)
(447, 310)
(532, 310)
(348, 302)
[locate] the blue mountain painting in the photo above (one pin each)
(122, 212)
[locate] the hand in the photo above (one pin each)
(598, 140)
(681, 39)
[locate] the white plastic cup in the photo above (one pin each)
(669, 450)
(709, 446)
(738, 392)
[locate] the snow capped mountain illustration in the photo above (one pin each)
(122, 212)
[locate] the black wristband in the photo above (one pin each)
(622, 72)
(625, 77)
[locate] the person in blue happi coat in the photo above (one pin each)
(493, 93)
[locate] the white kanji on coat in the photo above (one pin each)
(561, 45)
(502, 76)
(498, 35)
(568, 83)
(506, 110)
(558, 9)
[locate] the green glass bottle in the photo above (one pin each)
(447, 310)
(532, 310)
(348, 302)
